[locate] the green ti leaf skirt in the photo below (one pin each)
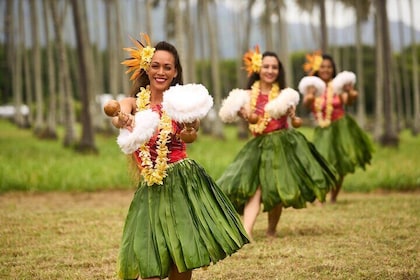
(286, 166)
(344, 144)
(187, 221)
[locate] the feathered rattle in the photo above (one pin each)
(113, 109)
(280, 105)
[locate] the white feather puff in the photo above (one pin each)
(278, 106)
(236, 99)
(308, 81)
(187, 103)
(146, 122)
(343, 78)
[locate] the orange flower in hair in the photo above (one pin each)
(253, 61)
(313, 62)
(141, 56)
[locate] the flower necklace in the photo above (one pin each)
(154, 175)
(324, 121)
(260, 126)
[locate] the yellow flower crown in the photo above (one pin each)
(141, 56)
(253, 61)
(313, 63)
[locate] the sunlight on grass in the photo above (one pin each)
(31, 164)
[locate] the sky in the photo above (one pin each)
(344, 16)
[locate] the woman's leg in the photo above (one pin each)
(251, 211)
(174, 274)
(273, 219)
(334, 192)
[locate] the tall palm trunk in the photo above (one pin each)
(324, 29)
(64, 76)
(179, 38)
(217, 129)
(87, 141)
(403, 73)
(9, 36)
(361, 110)
(189, 25)
(123, 81)
(50, 131)
(36, 69)
(379, 86)
(17, 69)
(416, 88)
(389, 136)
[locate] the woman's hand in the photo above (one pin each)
(243, 113)
(124, 120)
(309, 97)
(291, 112)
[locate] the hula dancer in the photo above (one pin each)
(178, 219)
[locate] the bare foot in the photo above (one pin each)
(271, 234)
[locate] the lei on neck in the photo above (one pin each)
(319, 102)
(260, 126)
(154, 174)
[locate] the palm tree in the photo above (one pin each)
(64, 75)
(36, 69)
(416, 90)
(51, 127)
(389, 136)
(217, 129)
(309, 6)
(179, 31)
(87, 141)
(403, 73)
(17, 69)
(362, 13)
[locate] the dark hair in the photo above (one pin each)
(143, 79)
(281, 77)
(328, 57)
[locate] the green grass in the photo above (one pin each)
(31, 164)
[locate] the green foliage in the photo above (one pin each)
(227, 73)
(30, 164)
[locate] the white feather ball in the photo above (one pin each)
(343, 78)
(146, 122)
(236, 99)
(187, 103)
(314, 81)
(278, 106)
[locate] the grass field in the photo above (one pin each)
(31, 164)
(62, 213)
(62, 235)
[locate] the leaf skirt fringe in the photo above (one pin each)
(285, 164)
(187, 221)
(344, 144)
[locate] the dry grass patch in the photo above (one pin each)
(76, 236)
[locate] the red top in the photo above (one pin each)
(273, 124)
(177, 148)
(338, 109)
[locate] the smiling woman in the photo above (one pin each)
(179, 219)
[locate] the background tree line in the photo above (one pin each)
(61, 82)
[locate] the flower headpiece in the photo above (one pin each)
(141, 56)
(313, 63)
(253, 61)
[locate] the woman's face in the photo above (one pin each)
(162, 70)
(326, 70)
(269, 69)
